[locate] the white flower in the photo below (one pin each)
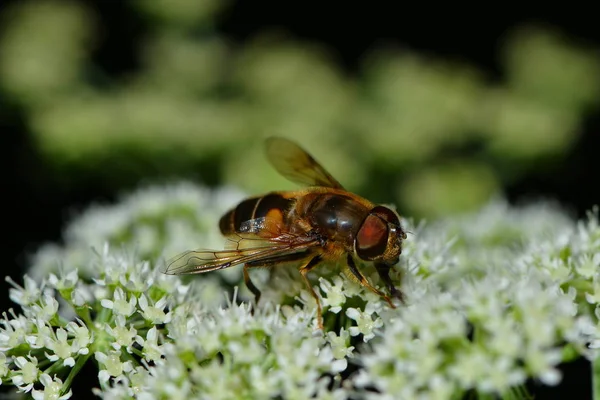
(339, 344)
(334, 294)
(82, 337)
(27, 374)
(505, 337)
(124, 337)
(24, 296)
(61, 347)
(174, 381)
(120, 305)
(4, 368)
(352, 288)
(139, 281)
(500, 374)
(113, 366)
(47, 309)
(593, 297)
(38, 338)
(441, 388)
(541, 363)
(52, 389)
(154, 314)
(80, 296)
(119, 391)
(246, 351)
(137, 379)
(365, 324)
(588, 265)
(152, 350)
(557, 269)
(13, 331)
(469, 367)
(66, 281)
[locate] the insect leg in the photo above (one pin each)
(305, 270)
(363, 281)
(250, 285)
(267, 262)
(384, 273)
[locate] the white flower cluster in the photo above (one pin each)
(493, 299)
(231, 353)
(155, 221)
(66, 321)
(488, 321)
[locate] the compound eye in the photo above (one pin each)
(386, 214)
(372, 238)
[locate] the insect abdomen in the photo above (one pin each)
(273, 204)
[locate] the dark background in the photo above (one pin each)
(37, 206)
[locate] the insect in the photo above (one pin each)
(318, 223)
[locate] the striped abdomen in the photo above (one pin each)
(273, 206)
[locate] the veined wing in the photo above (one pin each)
(294, 163)
(247, 248)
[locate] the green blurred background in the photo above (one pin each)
(429, 132)
(434, 116)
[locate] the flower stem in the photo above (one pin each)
(84, 313)
(74, 371)
(596, 378)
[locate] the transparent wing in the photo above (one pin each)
(245, 248)
(294, 163)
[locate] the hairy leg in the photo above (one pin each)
(363, 281)
(305, 270)
(249, 283)
(267, 263)
(384, 273)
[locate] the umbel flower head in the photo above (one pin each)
(494, 299)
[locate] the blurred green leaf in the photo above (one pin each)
(44, 45)
(200, 106)
(413, 105)
(181, 13)
(546, 67)
(523, 130)
(451, 188)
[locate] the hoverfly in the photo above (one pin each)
(321, 222)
